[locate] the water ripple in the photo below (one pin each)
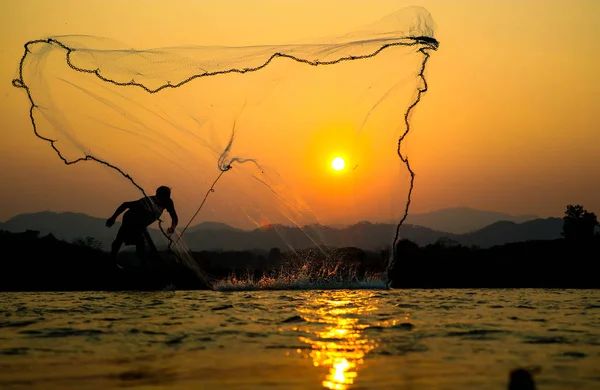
(338, 339)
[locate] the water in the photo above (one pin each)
(401, 339)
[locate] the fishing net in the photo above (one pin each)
(243, 135)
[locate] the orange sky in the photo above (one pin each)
(510, 121)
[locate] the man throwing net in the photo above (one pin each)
(140, 214)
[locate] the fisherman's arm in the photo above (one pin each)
(124, 206)
(174, 218)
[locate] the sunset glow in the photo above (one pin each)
(340, 344)
(338, 163)
(492, 130)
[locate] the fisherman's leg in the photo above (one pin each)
(140, 250)
(115, 247)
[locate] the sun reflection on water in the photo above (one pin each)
(336, 334)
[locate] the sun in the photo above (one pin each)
(338, 163)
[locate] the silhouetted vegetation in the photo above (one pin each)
(572, 262)
(579, 226)
(34, 263)
(43, 263)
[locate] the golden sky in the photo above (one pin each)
(510, 123)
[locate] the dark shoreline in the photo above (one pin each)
(33, 263)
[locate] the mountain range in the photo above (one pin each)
(463, 225)
(460, 220)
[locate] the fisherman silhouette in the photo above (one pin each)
(139, 214)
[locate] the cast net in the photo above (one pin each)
(243, 135)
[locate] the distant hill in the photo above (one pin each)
(460, 220)
(65, 226)
(503, 232)
(366, 235)
(68, 226)
(204, 226)
(220, 236)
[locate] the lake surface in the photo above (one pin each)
(340, 339)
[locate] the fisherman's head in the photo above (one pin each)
(163, 193)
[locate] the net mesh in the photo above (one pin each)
(255, 125)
